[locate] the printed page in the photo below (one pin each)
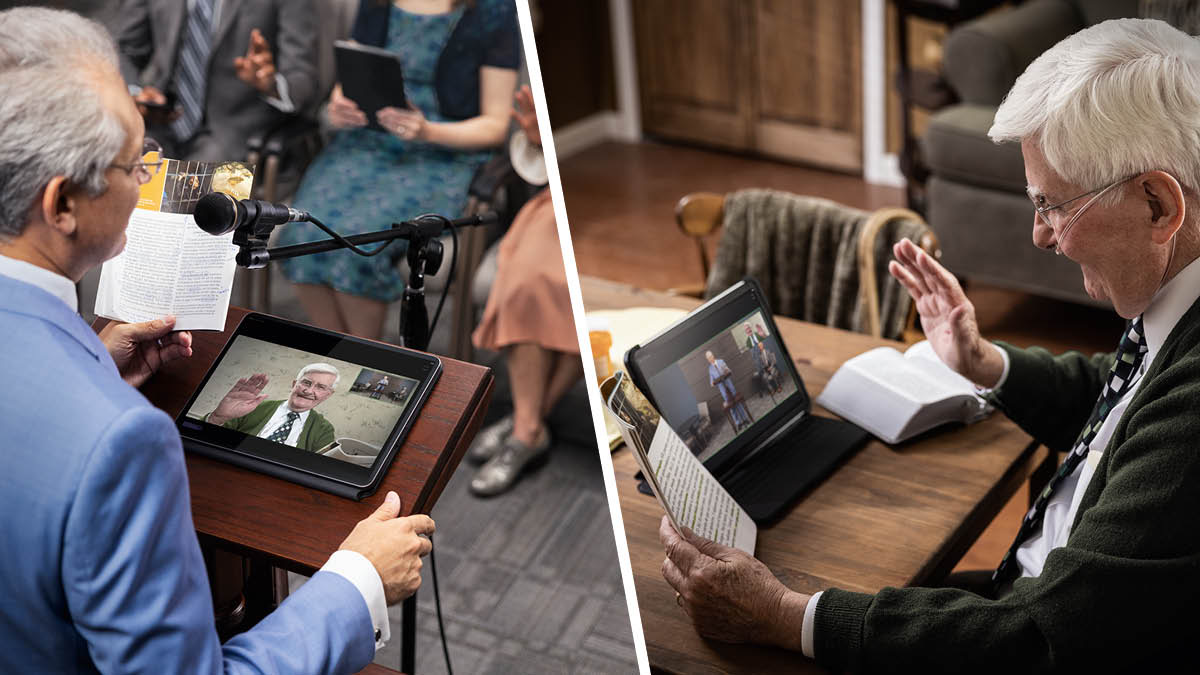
(890, 369)
(686, 490)
(169, 265)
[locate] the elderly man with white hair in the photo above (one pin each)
(291, 421)
(101, 569)
(1105, 571)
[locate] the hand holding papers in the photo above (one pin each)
(689, 494)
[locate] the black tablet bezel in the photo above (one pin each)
(701, 325)
(425, 368)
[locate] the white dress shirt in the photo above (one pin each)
(1159, 319)
(348, 564)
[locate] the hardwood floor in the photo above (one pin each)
(620, 200)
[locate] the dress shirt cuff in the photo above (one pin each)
(983, 391)
(360, 572)
(806, 629)
(284, 102)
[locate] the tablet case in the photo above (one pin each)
(371, 77)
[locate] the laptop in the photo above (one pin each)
(723, 380)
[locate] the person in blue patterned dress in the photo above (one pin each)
(460, 59)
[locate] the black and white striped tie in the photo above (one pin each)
(190, 70)
(1130, 354)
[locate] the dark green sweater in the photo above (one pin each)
(1119, 596)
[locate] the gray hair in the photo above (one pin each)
(320, 368)
(52, 119)
(1111, 101)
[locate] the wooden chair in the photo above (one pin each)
(699, 214)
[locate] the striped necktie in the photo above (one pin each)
(280, 435)
(191, 68)
(1130, 353)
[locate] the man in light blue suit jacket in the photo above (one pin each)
(101, 569)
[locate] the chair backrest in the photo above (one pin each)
(698, 215)
(818, 260)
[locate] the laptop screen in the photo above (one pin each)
(721, 376)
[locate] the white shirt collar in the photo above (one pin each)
(51, 282)
(1169, 305)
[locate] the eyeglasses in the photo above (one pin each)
(1043, 211)
(143, 172)
(309, 384)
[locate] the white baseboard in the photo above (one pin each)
(884, 170)
(583, 134)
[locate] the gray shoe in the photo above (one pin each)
(501, 471)
(489, 440)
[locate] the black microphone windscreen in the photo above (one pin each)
(218, 213)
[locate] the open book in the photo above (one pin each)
(897, 396)
(170, 265)
(686, 490)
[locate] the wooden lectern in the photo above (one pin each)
(294, 528)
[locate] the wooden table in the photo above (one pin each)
(891, 516)
(297, 528)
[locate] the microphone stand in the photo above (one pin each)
(425, 254)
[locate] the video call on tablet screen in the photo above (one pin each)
(308, 399)
(719, 374)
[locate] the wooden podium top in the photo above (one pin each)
(890, 516)
(296, 527)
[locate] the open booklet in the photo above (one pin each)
(169, 265)
(897, 396)
(686, 490)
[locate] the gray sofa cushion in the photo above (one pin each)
(956, 146)
(986, 235)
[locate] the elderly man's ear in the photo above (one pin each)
(58, 206)
(1165, 201)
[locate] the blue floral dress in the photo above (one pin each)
(365, 180)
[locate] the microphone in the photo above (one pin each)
(217, 213)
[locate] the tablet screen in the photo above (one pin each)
(308, 399)
(721, 375)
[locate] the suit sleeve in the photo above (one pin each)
(135, 40)
(1113, 599)
(295, 52)
(136, 585)
(1051, 397)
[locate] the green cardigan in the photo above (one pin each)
(316, 434)
(1120, 595)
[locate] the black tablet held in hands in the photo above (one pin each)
(314, 407)
(371, 77)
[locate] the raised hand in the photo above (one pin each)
(257, 67)
(525, 114)
(344, 113)
(947, 316)
(243, 397)
(729, 595)
(408, 124)
(394, 546)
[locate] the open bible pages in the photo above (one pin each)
(687, 491)
(169, 265)
(897, 396)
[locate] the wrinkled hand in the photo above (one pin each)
(344, 113)
(243, 397)
(159, 116)
(140, 349)
(257, 67)
(408, 124)
(947, 316)
(525, 114)
(393, 546)
(729, 595)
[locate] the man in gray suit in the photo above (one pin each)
(209, 73)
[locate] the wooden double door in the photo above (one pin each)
(777, 77)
